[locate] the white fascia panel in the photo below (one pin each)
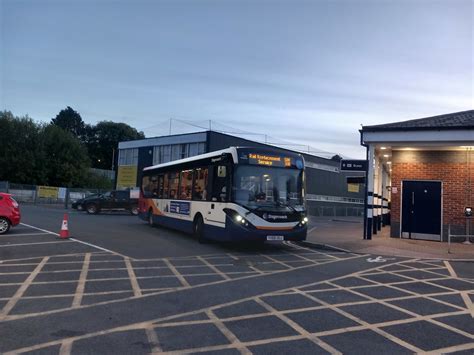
(457, 137)
(177, 139)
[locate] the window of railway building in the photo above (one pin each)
(128, 156)
(174, 184)
(202, 148)
(184, 150)
(165, 154)
(185, 184)
(193, 149)
(200, 184)
(175, 152)
(156, 155)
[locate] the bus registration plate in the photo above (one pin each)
(275, 237)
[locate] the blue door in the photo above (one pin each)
(421, 210)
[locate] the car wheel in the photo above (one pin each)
(150, 218)
(80, 208)
(198, 228)
(4, 225)
(92, 209)
(134, 211)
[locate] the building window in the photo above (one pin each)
(193, 149)
(156, 155)
(128, 156)
(202, 148)
(184, 150)
(165, 154)
(175, 152)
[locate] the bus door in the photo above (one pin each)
(219, 194)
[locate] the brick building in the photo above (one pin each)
(422, 169)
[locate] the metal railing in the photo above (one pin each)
(458, 233)
(34, 194)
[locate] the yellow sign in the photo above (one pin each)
(353, 187)
(127, 176)
(48, 191)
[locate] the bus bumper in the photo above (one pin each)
(235, 232)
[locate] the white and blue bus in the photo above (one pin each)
(235, 194)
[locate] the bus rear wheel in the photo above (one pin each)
(198, 229)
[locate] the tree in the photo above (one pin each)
(21, 155)
(103, 141)
(70, 121)
(67, 163)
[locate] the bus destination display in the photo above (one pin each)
(269, 160)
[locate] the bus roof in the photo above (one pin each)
(231, 150)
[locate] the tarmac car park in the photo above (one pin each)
(119, 286)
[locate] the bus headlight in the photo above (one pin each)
(236, 217)
(242, 220)
(303, 221)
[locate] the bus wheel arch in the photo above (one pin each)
(150, 217)
(198, 227)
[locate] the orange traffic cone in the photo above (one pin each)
(64, 233)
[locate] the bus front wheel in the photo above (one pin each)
(198, 228)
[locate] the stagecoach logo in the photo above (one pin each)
(216, 159)
(273, 216)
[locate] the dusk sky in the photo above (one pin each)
(308, 72)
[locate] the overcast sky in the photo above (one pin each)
(304, 71)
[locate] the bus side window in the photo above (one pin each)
(160, 186)
(165, 186)
(174, 184)
(219, 184)
(185, 184)
(200, 184)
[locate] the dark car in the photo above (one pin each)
(9, 212)
(79, 204)
(111, 201)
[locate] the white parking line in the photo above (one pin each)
(22, 234)
(23, 244)
(73, 239)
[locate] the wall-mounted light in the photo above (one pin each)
(383, 148)
(386, 155)
(389, 162)
(468, 211)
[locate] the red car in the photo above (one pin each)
(9, 212)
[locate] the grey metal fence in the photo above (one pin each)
(46, 195)
(334, 211)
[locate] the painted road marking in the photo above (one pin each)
(22, 234)
(73, 239)
(379, 259)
